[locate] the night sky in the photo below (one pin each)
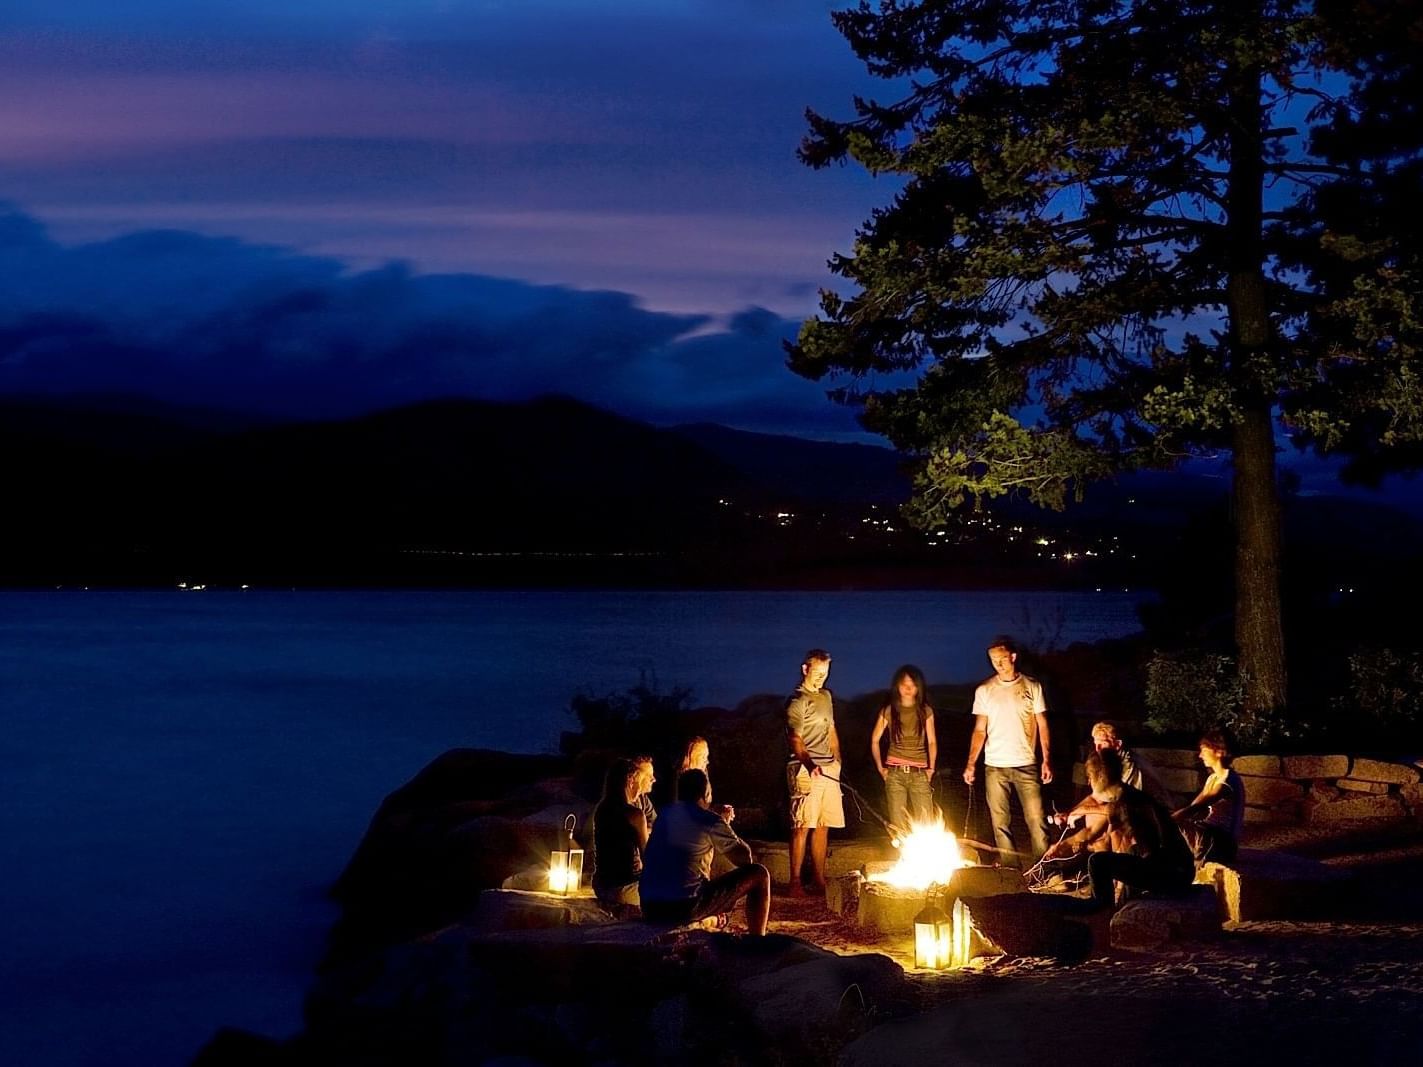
(325, 207)
(329, 207)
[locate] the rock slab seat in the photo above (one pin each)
(1149, 922)
(1034, 924)
(1259, 884)
(497, 910)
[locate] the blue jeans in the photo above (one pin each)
(908, 796)
(999, 783)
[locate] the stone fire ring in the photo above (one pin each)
(890, 909)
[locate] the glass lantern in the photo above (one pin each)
(565, 865)
(932, 938)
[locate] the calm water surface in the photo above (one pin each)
(184, 773)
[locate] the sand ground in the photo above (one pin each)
(1349, 988)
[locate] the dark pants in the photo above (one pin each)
(1140, 872)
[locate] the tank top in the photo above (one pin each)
(912, 749)
(617, 859)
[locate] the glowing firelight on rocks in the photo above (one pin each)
(928, 855)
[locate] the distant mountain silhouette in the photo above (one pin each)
(119, 488)
(100, 490)
(795, 468)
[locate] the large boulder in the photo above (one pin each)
(807, 1011)
(465, 823)
(465, 995)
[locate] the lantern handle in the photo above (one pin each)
(570, 823)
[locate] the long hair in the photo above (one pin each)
(691, 748)
(615, 782)
(921, 706)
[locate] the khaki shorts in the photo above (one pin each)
(815, 799)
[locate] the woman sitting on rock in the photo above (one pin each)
(1212, 822)
(619, 838)
(697, 757)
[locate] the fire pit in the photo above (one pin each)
(890, 908)
(886, 897)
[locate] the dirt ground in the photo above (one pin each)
(1350, 988)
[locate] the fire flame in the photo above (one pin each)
(928, 855)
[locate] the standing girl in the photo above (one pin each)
(908, 768)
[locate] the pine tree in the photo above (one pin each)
(1130, 232)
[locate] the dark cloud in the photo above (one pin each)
(642, 145)
(224, 323)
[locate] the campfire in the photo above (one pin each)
(891, 896)
(928, 855)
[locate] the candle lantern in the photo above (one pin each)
(932, 938)
(565, 867)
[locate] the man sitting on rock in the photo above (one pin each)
(1136, 771)
(1146, 851)
(677, 885)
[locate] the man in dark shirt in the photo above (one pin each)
(676, 868)
(1147, 850)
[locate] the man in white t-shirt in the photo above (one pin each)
(1009, 724)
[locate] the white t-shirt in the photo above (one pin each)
(1011, 709)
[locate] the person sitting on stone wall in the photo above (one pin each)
(676, 876)
(1212, 822)
(1146, 850)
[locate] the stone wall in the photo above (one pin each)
(1291, 790)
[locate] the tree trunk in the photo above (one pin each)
(1259, 630)
(1259, 627)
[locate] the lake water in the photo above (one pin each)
(182, 774)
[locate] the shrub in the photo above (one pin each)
(1385, 692)
(1193, 691)
(641, 718)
